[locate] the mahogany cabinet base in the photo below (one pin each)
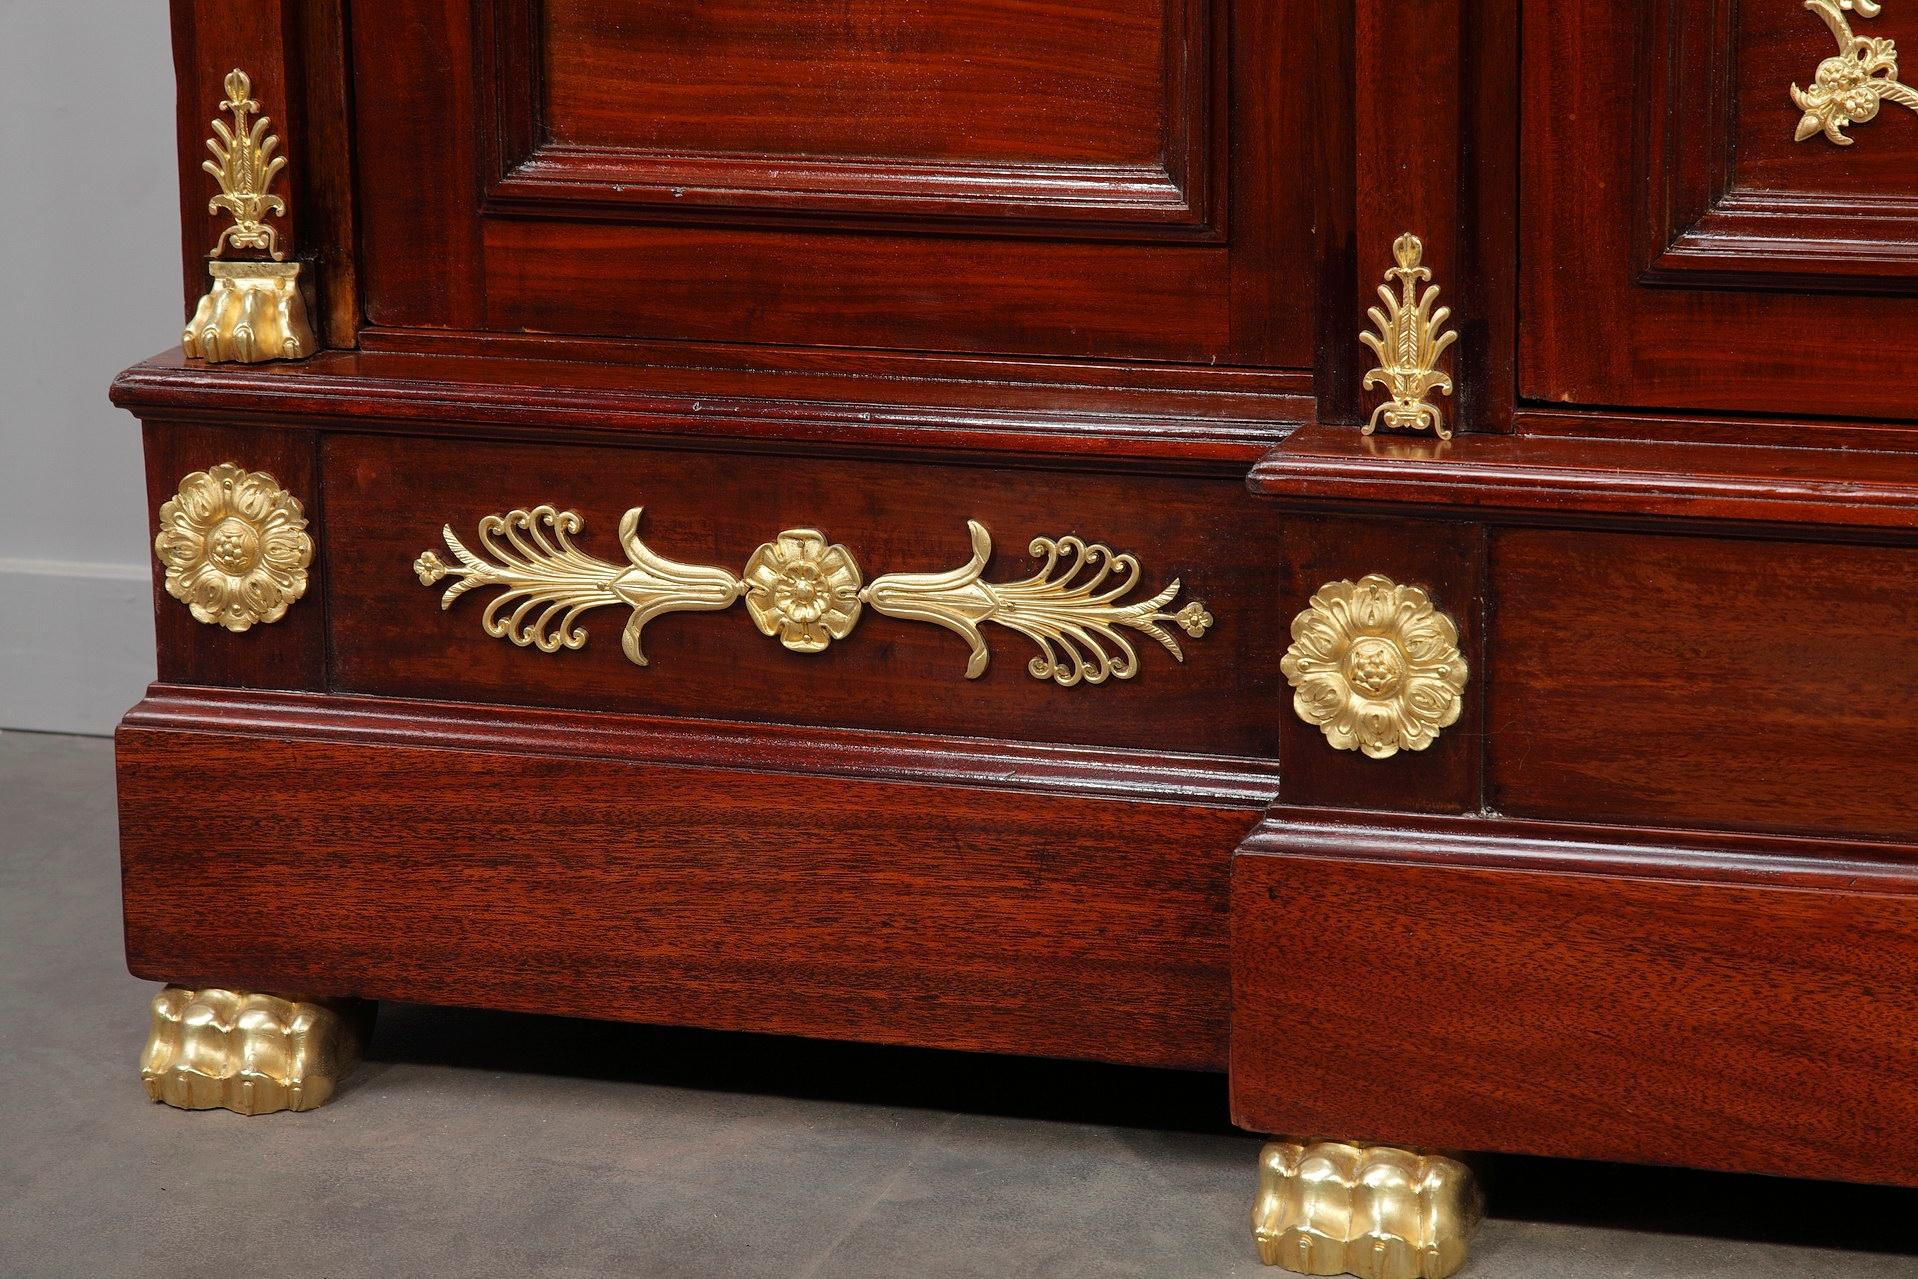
(274, 849)
(1742, 1003)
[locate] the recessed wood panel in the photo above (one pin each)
(1638, 224)
(1703, 682)
(981, 80)
(1780, 43)
(1122, 179)
(866, 108)
(388, 498)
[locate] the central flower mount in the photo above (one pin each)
(806, 593)
(802, 590)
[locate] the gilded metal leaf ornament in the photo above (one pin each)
(235, 547)
(550, 582)
(255, 310)
(806, 593)
(244, 165)
(1375, 667)
(1410, 338)
(1850, 86)
(1069, 608)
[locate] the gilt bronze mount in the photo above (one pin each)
(807, 592)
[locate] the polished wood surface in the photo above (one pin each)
(1444, 560)
(290, 653)
(964, 917)
(1607, 479)
(872, 411)
(752, 256)
(1703, 682)
(1506, 986)
(1747, 338)
(787, 108)
(390, 636)
(1094, 269)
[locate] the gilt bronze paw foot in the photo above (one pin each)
(1371, 1211)
(249, 1053)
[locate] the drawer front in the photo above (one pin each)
(1648, 1013)
(1700, 681)
(827, 633)
(1694, 680)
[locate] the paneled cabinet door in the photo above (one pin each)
(1032, 177)
(1719, 205)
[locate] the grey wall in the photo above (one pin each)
(89, 283)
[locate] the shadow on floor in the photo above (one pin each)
(1621, 1197)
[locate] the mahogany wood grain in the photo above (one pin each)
(289, 653)
(932, 114)
(510, 396)
(1795, 492)
(753, 77)
(1275, 394)
(1235, 293)
(1730, 196)
(948, 916)
(1778, 43)
(927, 293)
(1693, 681)
(1596, 334)
(294, 53)
(1441, 986)
(1447, 562)
(920, 758)
(1407, 160)
(388, 498)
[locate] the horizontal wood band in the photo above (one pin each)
(1628, 1001)
(950, 916)
(1591, 481)
(421, 393)
(1135, 776)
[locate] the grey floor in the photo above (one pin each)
(481, 1144)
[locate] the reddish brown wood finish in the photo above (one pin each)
(815, 276)
(1731, 197)
(1446, 561)
(1593, 76)
(290, 653)
(1703, 682)
(714, 267)
(513, 397)
(390, 636)
(934, 114)
(1593, 482)
(959, 917)
(211, 38)
(1495, 985)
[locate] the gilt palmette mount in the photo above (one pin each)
(244, 165)
(1410, 337)
(807, 592)
(254, 309)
